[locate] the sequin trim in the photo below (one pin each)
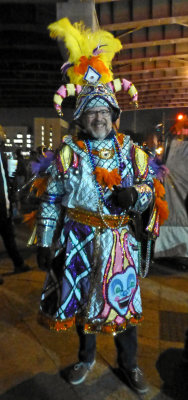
(55, 324)
(113, 328)
(95, 220)
(64, 325)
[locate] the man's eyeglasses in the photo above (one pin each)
(103, 113)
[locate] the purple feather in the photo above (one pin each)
(65, 67)
(43, 163)
(160, 170)
(97, 50)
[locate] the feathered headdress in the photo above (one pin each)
(86, 48)
(90, 60)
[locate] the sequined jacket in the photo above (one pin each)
(71, 182)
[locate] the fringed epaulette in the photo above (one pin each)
(65, 157)
(140, 162)
(160, 210)
(39, 186)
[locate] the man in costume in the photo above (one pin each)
(97, 187)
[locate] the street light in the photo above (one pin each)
(180, 117)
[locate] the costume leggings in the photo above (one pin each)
(125, 342)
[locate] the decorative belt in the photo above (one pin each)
(95, 219)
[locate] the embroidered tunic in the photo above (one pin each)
(94, 275)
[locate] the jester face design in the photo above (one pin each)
(121, 289)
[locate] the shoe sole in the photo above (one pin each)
(83, 377)
(80, 380)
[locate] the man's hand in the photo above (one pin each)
(124, 197)
(44, 258)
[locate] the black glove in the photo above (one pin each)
(124, 197)
(44, 258)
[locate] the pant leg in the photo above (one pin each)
(8, 236)
(126, 345)
(87, 346)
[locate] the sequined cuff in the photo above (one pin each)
(145, 195)
(45, 232)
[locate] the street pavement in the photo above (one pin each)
(34, 360)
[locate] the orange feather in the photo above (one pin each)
(161, 204)
(107, 178)
(30, 219)
(162, 207)
(94, 61)
(39, 184)
(159, 188)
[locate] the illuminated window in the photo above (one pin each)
(19, 135)
(18, 141)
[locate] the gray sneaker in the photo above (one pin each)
(79, 372)
(135, 379)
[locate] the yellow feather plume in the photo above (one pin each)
(71, 36)
(81, 41)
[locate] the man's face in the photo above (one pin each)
(98, 122)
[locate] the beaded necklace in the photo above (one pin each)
(100, 191)
(118, 151)
(101, 198)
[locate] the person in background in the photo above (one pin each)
(21, 170)
(19, 182)
(6, 224)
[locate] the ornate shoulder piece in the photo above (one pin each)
(66, 156)
(140, 162)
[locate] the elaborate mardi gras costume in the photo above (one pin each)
(97, 260)
(96, 276)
